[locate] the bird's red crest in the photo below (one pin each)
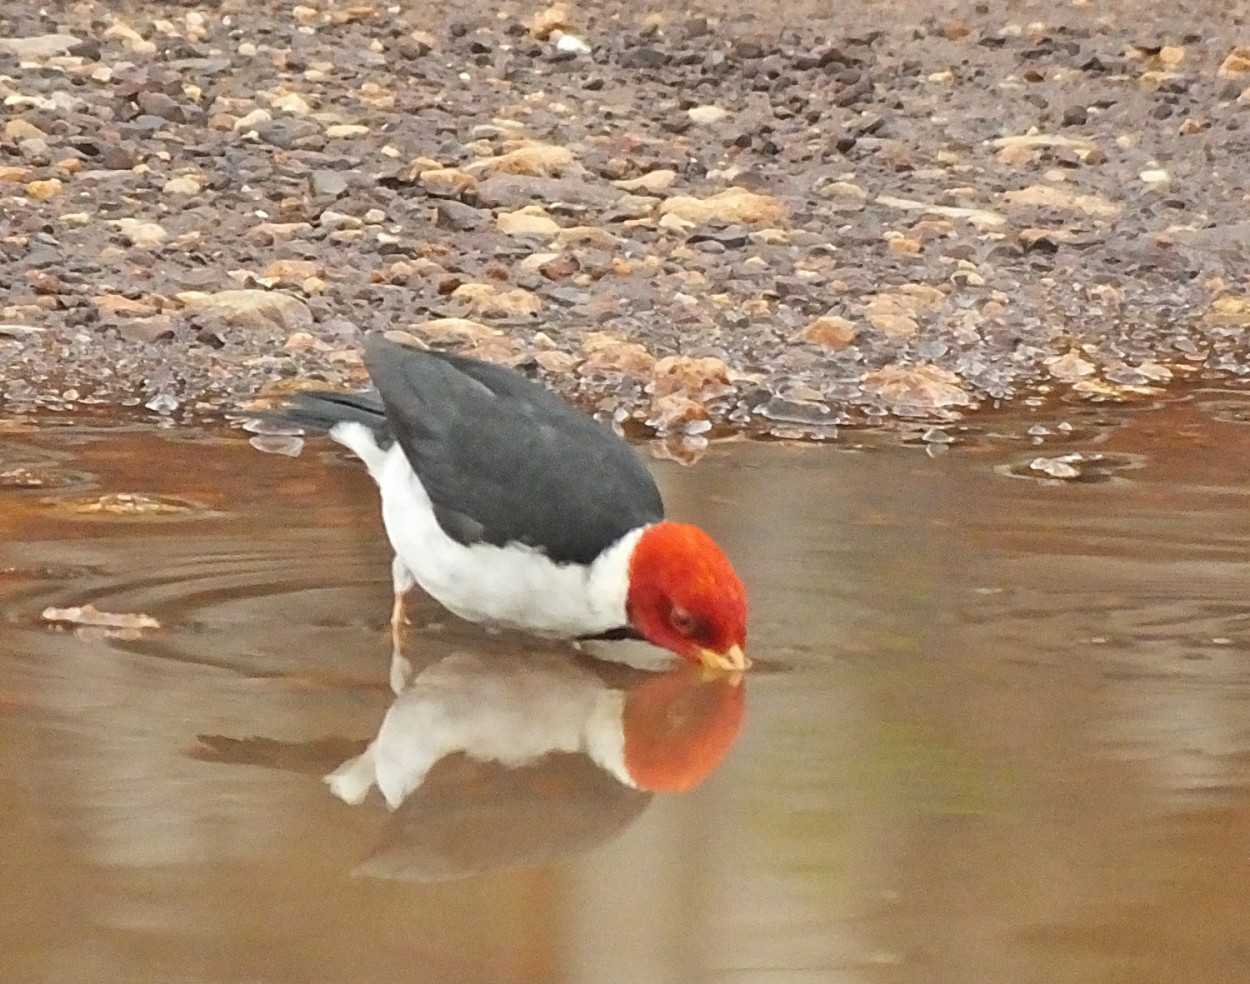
(684, 594)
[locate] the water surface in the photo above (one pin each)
(999, 730)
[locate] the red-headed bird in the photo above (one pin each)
(512, 509)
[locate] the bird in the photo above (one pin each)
(513, 509)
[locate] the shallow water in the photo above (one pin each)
(999, 728)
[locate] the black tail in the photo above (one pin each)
(322, 409)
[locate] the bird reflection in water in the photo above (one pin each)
(538, 758)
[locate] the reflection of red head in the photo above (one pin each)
(678, 727)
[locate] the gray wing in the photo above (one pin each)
(505, 461)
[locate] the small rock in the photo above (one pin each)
(699, 379)
(644, 57)
(1069, 367)
(250, 308)
(532, 220)
(1074, 116)
(731, 205)
(252, 120)
(160, 105)
(609, 354)
(330, 219)
(905, 245)
(185, 185)
(982, 218)
(446, 182)
(268, 233)
(560, 266)
(536, 160)
(292, 272)
(1171, 55)
(457, 331)
(134, 41)
(345, 131)
(1229, 310)
(293, 103)
(842, 189)
(893, 324)
(140, 234)
(116, 157)
(555, 363)
(922, 387)
(651, 182)
(748, 48)
(286, 132)
(830, 331)
(548, 20)
(40, 47)
(485, 300)
(159, 328)
(674, 411)
(18, 129)
(418, 44)
(570, 44)
(1063, 199)
(1060, 467)
(706, 115)
(327, 183)
(451, 214)
(111, 305)
(1018, 155)
(41, 190)
(1236, 64)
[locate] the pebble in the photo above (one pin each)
(447, 182)
(344, 131)
(327, 184)
(141, 234)
(18, 130)
(187, 184)
(731, 205)
(532, 220)
(707, 115)
(50, 188)
(536, 160)
(252, 309)
(252, 120)
(830, 331)
(39, 47)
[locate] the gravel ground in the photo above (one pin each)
(694, 217)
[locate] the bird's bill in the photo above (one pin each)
(732, 659)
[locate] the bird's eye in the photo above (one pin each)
(682, 621)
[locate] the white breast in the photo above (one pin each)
(514, 587)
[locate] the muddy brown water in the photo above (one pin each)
(999, 730)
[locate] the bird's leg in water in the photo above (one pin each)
(401, 668)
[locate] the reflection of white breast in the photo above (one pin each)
(510, 711)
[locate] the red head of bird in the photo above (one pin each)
(685, 596)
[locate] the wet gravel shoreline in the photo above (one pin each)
(690, 219)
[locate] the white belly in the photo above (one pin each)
(513, 587)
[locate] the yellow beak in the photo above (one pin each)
(732, 659)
